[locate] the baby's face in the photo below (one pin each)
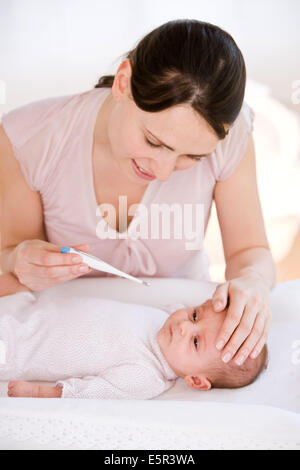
(187, 339)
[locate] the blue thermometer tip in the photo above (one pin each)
(65, 249)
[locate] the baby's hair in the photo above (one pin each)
(230, 375)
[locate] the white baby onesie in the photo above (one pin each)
(92, 347)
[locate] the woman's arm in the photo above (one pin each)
(239, 209)
(9, 285)
(38, 264)
(250, 270)
(21, 210)
(256, 261)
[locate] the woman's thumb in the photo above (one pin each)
(84, 248)
(220, 297)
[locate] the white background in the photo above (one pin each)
(56, 47)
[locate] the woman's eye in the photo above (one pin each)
(196, 158)
(194, 315)
(196, 343)
(158, 145)
(150, 143)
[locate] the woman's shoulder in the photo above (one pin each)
(41, 132)
(245, 117)
(23, 122)
(242, 126)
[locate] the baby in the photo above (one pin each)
(101, 348)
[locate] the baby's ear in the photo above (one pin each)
(200, 382)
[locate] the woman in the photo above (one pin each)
(169, 127)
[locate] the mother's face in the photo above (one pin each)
(161, 142)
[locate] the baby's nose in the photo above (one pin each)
(185, 327)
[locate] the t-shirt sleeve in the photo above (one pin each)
(30, 130)
(230, 151)
(124, 382)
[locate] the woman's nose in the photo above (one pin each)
(165, 168)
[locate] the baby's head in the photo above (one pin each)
(187, 341)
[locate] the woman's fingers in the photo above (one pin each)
(263, 339)
(253, 335)
(219, 299)
(69, 277)
(83, 247)
(233, 318)
(52, 272)
(50, 256)
(38, 283)
(248, 317)
(39, 264)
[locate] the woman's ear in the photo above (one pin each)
(121, 85)
(200, 382)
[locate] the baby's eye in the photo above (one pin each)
(194, 315)
(196, 343)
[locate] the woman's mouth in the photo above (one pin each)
(171, 333)
(139, 171)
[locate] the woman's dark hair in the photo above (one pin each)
(188, 62)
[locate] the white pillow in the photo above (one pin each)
(162, 290)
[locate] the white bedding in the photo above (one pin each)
(264, 415)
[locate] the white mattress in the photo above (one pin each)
(264, 415)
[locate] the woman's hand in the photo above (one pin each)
(245, 328)
(40, 265)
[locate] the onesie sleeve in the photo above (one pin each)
(31, 130)
(121, 382)
(230, 151)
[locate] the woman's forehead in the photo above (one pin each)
(179, 127)
(174, 117)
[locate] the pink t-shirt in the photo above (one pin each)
(53, 139)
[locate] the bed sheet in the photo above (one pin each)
(262, 415)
